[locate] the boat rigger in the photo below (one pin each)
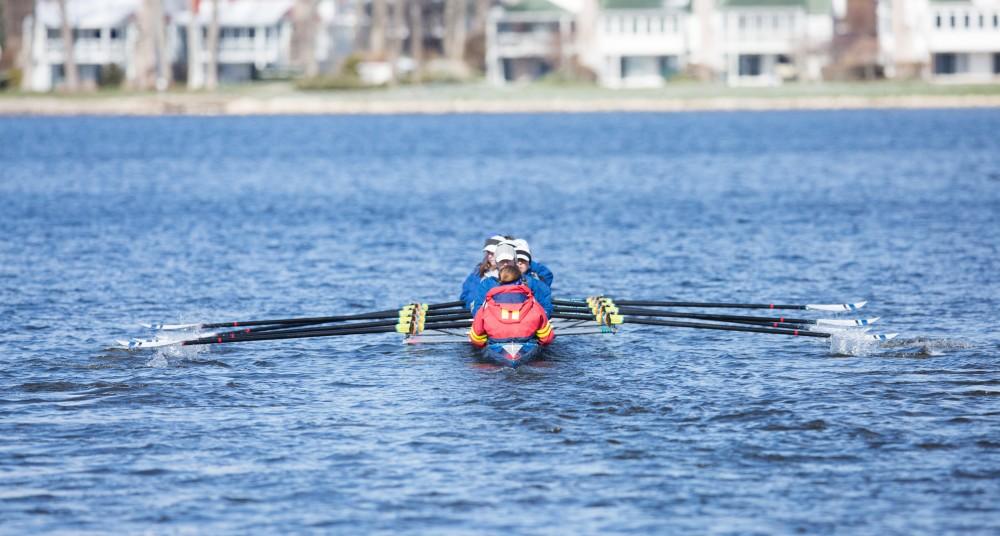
(450, 322)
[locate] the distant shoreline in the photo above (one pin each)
(282, 100)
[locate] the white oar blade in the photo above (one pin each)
(141, 344)
(835, 307)
(848, 323)
(883, 336)
(171, 327)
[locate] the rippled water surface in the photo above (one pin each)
(109, 222)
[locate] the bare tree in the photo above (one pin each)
(164, 74)
(377, 34)
(69, 59)
(398, 30)
(479, 17)
(304, 22)
(194, 67)
(417, 38)
(454, 30)
(144, 47)
(212, 76)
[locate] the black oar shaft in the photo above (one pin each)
(700, 316)
(302, 328)
(389, 313)
(312, 333)
(654, 303)
(696, 325)
(437, 315)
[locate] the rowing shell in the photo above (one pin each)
(511, 353)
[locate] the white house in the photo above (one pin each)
(255, 36)
(643, 43)
(765, 42)
(946, 41)
(640, 43)
(104, 33)
(527, 39)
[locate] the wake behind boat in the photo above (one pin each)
(450, 322)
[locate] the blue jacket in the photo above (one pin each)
(538, 288)
(469, 288)
(541, 272)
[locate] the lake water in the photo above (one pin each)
(110, 222)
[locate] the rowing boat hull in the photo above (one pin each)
(511, 353)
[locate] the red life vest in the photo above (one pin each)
(510, 312)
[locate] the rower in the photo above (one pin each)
(529, 267)
(486, 267)
(510, 313)
(505, 255)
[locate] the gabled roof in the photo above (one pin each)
(242, 13)
(631, 4)
(87, 14)
(521, 6)
(812, 6)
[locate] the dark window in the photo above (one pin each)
(996, 63)
(945, 63)
(668, 66)
(115, 33)
(54, 33)
(937, 21)
(750, 64)
(953, 21)
(967, 21)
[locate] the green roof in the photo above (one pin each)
(531, 5)
(631, 4)
(812, 6)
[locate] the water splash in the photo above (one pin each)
(852, 343)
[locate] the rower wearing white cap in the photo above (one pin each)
(487, 266)
(506, 255)
(530, 268)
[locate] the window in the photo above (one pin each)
(996, 21)
(967, 20)
(749, 64)
(53, 33)
(674, 24)
(953, 21)
(937, 21)
(742, 22)
(115, 33)
(996, 63)
(944, 63)
(982, 20)
(635, 25)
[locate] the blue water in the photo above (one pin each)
(110, 222)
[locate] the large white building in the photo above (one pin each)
(643, 43)
(947, 41)
(104, 33)
(254, 37)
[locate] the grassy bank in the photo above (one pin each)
(479, 97)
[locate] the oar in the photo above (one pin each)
(313, 333)
(829, 307)
(301, 321)
(722, 327)
(437, 315)
(297, 328)
(635, 311)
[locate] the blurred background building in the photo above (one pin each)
(155, 44)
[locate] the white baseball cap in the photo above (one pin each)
(504, 252)
(522, 250)
(491, 243)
